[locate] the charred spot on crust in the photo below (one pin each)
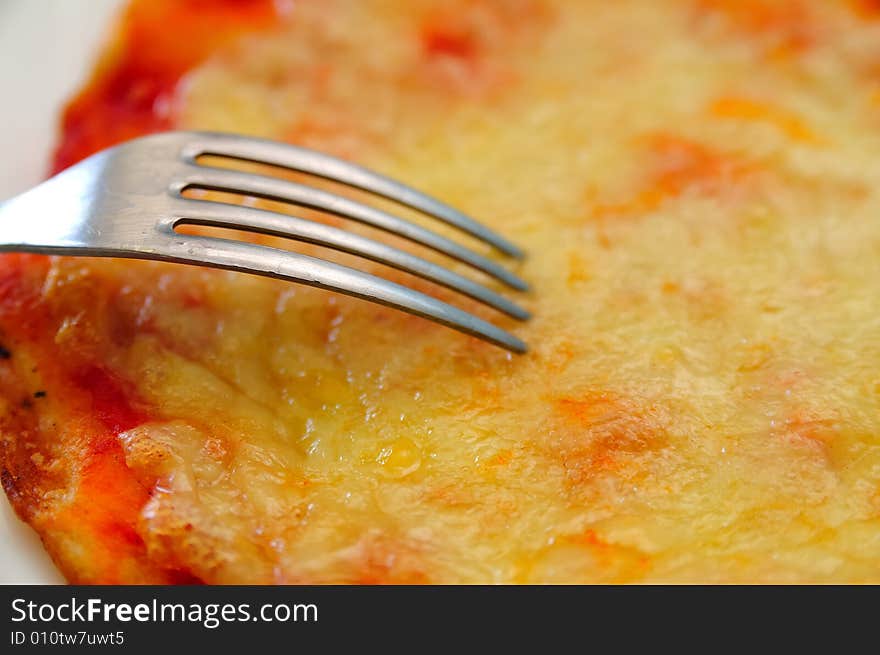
(39, 394)
(183, 577)
(8, 482)
(4, 352)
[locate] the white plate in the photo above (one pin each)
(47, 48)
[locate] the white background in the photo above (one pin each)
(47, 48)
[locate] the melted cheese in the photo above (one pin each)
(696, 189)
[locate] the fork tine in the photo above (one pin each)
(270, 188)
(303, 160)
(220, 214)
(282, 264)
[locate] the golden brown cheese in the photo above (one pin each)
(696, 185)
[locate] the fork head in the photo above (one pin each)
(128, 201)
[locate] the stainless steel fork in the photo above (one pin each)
(127, 201)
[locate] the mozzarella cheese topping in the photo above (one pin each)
(696, 186)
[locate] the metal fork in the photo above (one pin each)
(127, 201)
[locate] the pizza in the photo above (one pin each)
(695, 183)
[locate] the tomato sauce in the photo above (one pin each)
(132, 92)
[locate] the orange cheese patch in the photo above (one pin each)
(676, 165)
(750, 110)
